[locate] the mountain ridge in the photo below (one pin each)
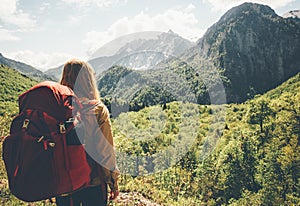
(250, 51)
(24, 69)
(136, 52)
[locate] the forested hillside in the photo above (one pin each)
(182, 153)
(12, 85)
(250, 157)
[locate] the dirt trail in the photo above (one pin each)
(133, 199)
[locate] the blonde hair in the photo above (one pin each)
(80, 77)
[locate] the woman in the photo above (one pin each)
(80, 77)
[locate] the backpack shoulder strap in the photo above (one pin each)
(90, 105)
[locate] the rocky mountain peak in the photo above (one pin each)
(238, 20)
(171, 32)
(248, 9)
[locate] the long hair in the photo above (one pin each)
(80, 77)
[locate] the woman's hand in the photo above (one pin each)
(113, 194)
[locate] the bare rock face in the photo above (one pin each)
(254, 47)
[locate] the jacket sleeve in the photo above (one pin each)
(105, 147)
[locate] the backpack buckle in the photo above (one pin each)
(62, 128)
(51, 144)
(25, 123)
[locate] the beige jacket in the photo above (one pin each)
(100, 146)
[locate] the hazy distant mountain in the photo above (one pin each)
(136, 52)
(144, 53)
(24, 69)
(249, 51)
(55, 72)
(292, 14)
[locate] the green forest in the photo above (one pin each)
(249, 155)
(182, 153)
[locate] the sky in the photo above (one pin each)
(45, 34)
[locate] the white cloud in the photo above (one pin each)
(7, 35)
(99, 3)
(75, 19)
(181, 20)
(10, 14)
(40, 60)
(44, 7)
(223, 5)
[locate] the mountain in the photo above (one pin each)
(137, 51)
(144, 53)
(55, 73)
(292, 14)
(253, 49)
(24, 69)
(109, 79)
(249, 51)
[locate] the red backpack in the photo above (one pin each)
(43, 154)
